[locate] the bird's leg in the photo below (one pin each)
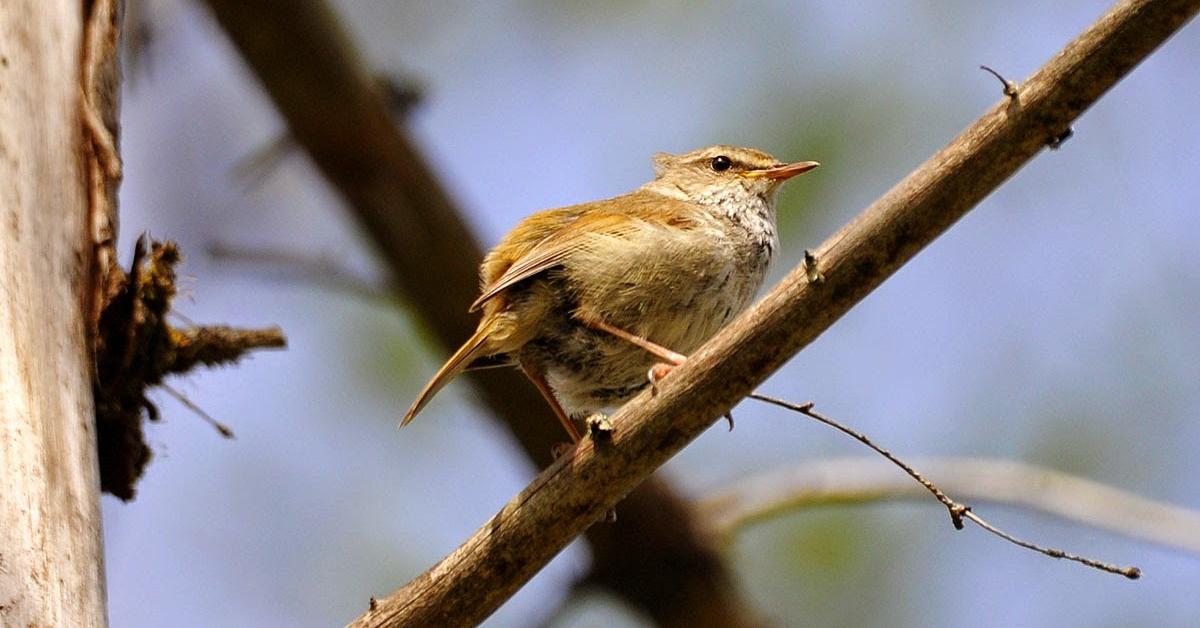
(670, 359)
(539, 381)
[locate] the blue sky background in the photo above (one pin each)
(1057, 324)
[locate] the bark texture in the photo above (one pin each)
(51, 562)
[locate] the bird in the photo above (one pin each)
(597, 301)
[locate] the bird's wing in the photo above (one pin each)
(556, 247)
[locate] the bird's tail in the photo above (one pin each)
(471, 349)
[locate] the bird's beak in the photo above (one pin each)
(782, 172)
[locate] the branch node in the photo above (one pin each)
(600, 428)
(811, 272)
(1056, 142)
(956, 514)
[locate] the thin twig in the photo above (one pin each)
(958, 511)
(1131, 572)
(190, 405)
(862, 480)
(806, 408)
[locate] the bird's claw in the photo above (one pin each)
(656, 375)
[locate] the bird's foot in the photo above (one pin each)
(656, 375)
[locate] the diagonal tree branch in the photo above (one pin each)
(321, 86)
(861, 480)
(579, 488)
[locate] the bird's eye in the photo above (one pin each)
(721, 163)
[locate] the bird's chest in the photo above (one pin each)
(725, 282)
(678, 309)
(684, 318)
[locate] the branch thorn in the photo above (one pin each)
(1010, 87)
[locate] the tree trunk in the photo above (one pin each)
(51, 562)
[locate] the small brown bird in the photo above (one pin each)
(593, 301)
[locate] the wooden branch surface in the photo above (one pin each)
(577, 490)
(51, 559)
(320, 85)
(860, 480)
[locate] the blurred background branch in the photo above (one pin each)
(301, 268)
(731, 509)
